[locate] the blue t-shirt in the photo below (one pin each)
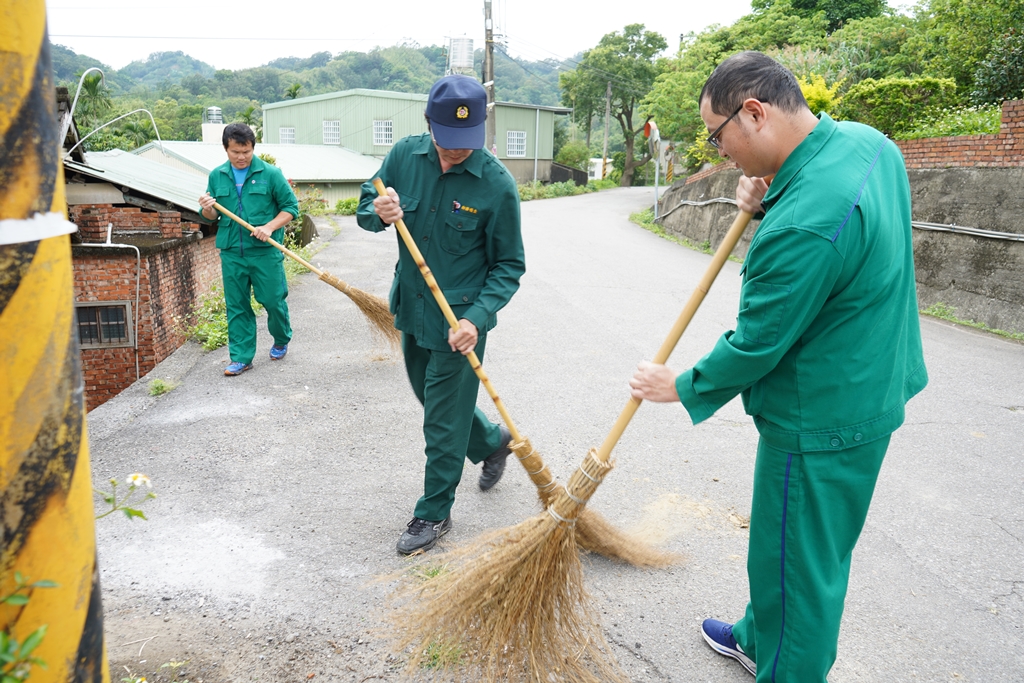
(240, 174)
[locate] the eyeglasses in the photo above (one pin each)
(713, 138)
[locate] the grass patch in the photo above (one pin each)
(946, 312)
(442, 655)
(645, 219)
(159, 387)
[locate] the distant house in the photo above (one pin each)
(141, 258)
(370, 121)
(335, 171)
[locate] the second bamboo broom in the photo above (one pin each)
(513, 601)
(594, 532)
(376, 309)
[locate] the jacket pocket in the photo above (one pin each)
(761, 312)
(460, 233)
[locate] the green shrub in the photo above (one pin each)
(820, 97)
(575, 155)
(346, 207)
(960, 121)
(700, 153)
(897, 105)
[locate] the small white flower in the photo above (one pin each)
(138, 479)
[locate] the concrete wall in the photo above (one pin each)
(982, 278)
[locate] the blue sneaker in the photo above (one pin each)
(237, 368)
(719, 637)
(278, 352)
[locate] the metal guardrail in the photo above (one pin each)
(920, 225)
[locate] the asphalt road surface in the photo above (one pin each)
(282, 492)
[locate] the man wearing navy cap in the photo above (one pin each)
(461, 206)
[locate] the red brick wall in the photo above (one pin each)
(173, 274)
(723, 166)
(1005, 148)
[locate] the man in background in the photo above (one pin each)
(258, 193)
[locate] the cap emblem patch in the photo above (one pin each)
(462, 112)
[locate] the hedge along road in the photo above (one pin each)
(282, 492)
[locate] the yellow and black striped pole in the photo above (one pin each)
(46, 501)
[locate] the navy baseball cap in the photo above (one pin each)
(457, 108)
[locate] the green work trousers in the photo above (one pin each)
(453, 427)
(808, 511)
(259, 273)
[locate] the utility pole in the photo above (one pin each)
(46, 485)
(490, 128)
(607, 121)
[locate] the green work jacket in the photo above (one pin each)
(827, 345)
(265, 194)
(466, 224)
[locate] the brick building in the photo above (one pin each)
(142, 257)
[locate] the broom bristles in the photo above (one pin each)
(515, 601)
(376, 310)
(594, 533)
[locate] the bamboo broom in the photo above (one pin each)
(376, 309)
(514, 601)
(594, 532)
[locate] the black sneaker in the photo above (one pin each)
(422, 534)
(494, 465)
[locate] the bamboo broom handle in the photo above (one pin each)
(719, 259)
(449, 315)
(283, 249)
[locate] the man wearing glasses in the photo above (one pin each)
(461, 206)
(826, 352)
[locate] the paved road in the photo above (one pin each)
(283, 491)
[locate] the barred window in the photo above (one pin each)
(286, 136)
(332, 132)
(515, 143)
(104, 325)
(382, 134)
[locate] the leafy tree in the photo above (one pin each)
(94, 102)
(1000, 76)
(137, 132)
(166, 66)
(626, 60)
(838, 12)
(961, 34)
(293, 91)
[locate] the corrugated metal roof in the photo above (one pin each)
(348, 93)
(300, 163)
(124, 169)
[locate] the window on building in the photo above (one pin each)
(105, 324)
(286, 136)
(332, 132)
(382, 134)
(515, 143)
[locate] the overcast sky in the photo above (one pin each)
(235, 35)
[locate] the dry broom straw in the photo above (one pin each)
(514, 600)
(594, 532)
(373, 307)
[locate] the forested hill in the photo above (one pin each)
(401, 68)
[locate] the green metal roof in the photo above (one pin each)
(347, 93)
(123, 169)
(300, 163)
